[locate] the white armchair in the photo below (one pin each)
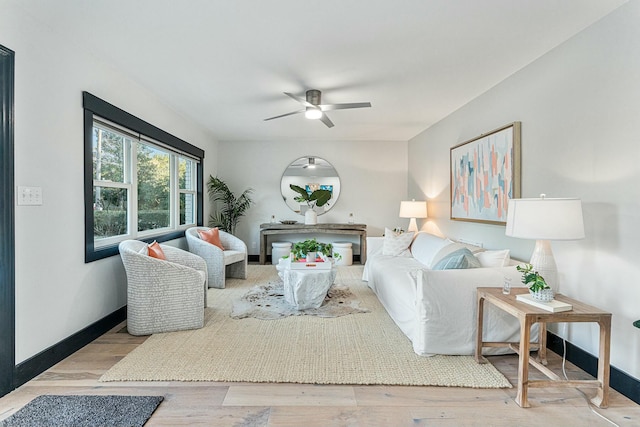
(163, 295)
(232, 262)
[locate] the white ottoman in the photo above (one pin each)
(279, 250)
(345, 252)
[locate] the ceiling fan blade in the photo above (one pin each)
(285, 115)
(325, 119)
(300, 100)
(329, 107)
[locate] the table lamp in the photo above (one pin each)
(544, 220)
(412, 209)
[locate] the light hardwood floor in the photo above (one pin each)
(246, 404)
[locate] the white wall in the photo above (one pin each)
(57, 294)
(579, 107)
(373, 179)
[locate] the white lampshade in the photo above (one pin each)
(543, 220)
(413, 209)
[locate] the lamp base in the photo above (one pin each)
(413, 226)
(543, 262)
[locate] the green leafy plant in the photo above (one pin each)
(301, 249)
(532, 278)
(317, 198)
(228, 207)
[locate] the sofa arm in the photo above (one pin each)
(232, 243)
(374, 246)
(446, 307)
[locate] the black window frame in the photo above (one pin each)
(94, 106)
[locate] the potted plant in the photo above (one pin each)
(306, 249)
(310, 248)
(317, 198)
(536, 283)
(326, 249)
(232, 207)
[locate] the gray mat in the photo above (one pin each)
(84, 411)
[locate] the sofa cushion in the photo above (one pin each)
(425, 246)
(233, 256)
(460, 258)
(396, 244)
(494, 258)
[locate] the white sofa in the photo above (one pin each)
(436, 309)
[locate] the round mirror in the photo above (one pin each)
(308, 174)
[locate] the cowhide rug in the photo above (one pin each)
(266, 302)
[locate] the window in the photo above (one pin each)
(145, 186)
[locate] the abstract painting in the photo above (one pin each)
(485, 174)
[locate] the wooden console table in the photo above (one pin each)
(528, 315)
(350, 229)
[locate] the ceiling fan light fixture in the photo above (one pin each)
(312, 113)
(315, 110)
(311, 164)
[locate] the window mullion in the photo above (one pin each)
(174, 194)
(111, 184)
(133, 200)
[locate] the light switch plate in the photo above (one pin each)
(29, 196)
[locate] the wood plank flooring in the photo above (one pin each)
(246, 404)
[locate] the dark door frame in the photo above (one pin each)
(7, 224)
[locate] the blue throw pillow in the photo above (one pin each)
(462, 258)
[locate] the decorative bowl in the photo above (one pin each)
(544, 295)
(289, 222)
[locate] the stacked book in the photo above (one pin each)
(553, 306)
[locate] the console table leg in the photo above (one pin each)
(263, 248)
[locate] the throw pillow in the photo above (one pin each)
(494, 258)
(396, 244)
(444, 251)
(212, 236)
(458, 259)
(155, 251)
(425, 246)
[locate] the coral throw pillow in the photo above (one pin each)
(212, 236)
(155, 251)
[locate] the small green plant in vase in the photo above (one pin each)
(305, 249)
(310, 248)
(536, 283)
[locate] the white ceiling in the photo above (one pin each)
(225, 63)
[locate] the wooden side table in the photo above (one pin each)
(528, 315)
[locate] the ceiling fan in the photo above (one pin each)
(315, 110)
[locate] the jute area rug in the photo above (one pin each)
(362, 348)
